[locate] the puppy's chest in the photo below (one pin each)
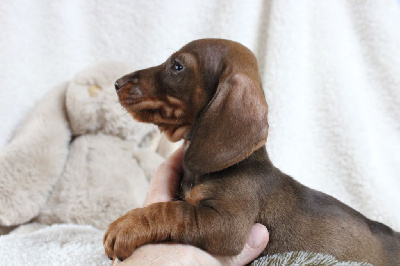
(189, 181)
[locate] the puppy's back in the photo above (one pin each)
(306, 219)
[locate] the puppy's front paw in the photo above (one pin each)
(126, 234)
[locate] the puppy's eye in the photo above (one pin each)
(177, 66)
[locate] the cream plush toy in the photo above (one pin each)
(78, 157)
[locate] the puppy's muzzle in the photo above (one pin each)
(130, 78)
(129, 84)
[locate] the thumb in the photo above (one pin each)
(255, 244)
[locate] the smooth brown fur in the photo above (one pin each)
(209, 93)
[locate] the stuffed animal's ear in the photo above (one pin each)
(232, 127)
(34, 159)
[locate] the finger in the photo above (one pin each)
(256, 243)
(165, 183)
(170, 254)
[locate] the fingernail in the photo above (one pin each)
(257, 236)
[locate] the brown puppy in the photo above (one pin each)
(209, 93)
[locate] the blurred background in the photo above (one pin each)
(330, 71)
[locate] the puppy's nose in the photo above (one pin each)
(119, 84)
(131, 78)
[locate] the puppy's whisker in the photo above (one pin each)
(172, 50)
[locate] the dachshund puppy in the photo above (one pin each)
(209, 94)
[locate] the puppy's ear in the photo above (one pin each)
(232, 126)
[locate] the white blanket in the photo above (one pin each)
(54, 245)
(330, 71)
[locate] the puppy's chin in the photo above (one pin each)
(174, 133)
(167, 114)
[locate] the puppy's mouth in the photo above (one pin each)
(167, 114)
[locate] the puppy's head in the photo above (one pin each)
(209, 93)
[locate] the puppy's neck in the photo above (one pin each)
(191, 179)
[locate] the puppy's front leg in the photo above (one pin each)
(218, 232)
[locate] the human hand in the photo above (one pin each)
(163, 188)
